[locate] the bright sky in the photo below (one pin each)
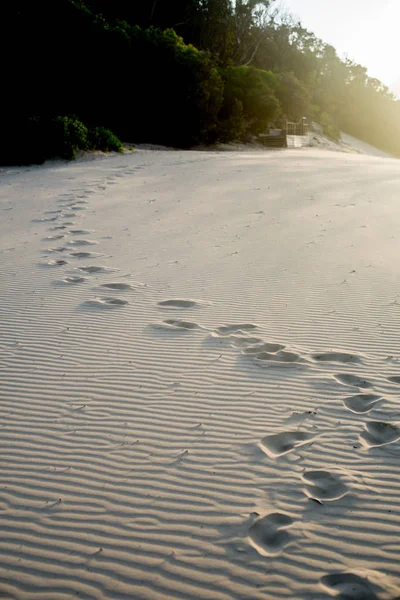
(366, 30)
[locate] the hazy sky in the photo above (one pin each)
(368, 31)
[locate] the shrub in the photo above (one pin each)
(252, 90)
(177, 88)
(293, 96)
(101, 138)
(32, 140)
(180, 90)
(232, 125)
(67, 135)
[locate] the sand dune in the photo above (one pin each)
(207, 405)
(362, 147)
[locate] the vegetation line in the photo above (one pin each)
(176, 73)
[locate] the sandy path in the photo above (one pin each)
(199, 378)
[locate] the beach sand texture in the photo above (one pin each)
(200, 377)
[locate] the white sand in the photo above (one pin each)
(204, 404)
(363, 147)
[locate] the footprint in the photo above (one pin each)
(44, 220)
(324, 486)
(58, 227)
(51, 250)
(117, 286)
(177, 303)
(266, 347)
(227, 329)
(55, 263)
(81, 231)
(178, 324)
(379, 433)
(361, 403)
(52, 212)
(280, 357)
(394, 379)
(353, 380)
(269, 535)
(53, 238)
(73, 279)
(341, 357)
(349, 586)
(86, 254)
(105, 302)
(83, 242)
(96, 269)
(299, 417)
(282, 443)
(243, 342)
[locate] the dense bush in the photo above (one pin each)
(66, 135)
(180, 90)
(100, 138)
(293, 96)
(36, 139)
(144, 83)
(231, 125)
(249, 101)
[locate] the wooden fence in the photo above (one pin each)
(293, 135)
(300, 128)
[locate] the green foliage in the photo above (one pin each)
(66, 136)
(36, 139)
(180, 90)
(249, 101)
(101, 138)
(231, 126)
(293, 95)
(177, 88)
(175, 73)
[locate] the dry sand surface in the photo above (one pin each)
(200, 377)
(362, 147)
(347, 143)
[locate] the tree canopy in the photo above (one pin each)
(181, 72)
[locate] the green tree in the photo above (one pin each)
(249, 99)
(293, 96)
